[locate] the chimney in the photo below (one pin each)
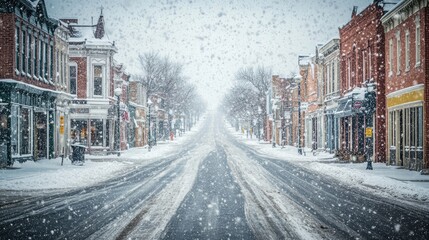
(99, 29)
(354, 11)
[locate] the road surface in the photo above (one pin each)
(213, 188)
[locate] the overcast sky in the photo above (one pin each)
(213, 39)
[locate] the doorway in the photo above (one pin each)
(40, 135)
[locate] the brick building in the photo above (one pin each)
(406, 27)
(137, 100)
(93, 110)
(27, 99)
(362, 69)
(313, 92)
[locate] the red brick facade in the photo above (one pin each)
(7, 45)
(362, 60)
(407, 84)
(7, 49)
(81, 87)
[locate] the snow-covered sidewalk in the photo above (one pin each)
(49, 174)
(388, 181)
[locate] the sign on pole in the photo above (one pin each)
(61, 124)
(368, 132)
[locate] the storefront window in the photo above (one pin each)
(25, 131)
(97, 133)
(79, 131)
(14, 129)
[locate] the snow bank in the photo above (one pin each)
(49, 174)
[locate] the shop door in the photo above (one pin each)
(41, 135)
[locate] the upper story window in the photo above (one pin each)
(418, 41)
(98, 80)
(328, 77)
(407, 50)
(24, 51)
(73, 79)
(390, 57)
(17, 49)
(41, 51)
(36, 54)
(30, 54)
(349, 72)
(398, 52)
(333, 82)
(51, 62)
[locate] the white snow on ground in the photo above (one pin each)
(386, 181)
(49, 174)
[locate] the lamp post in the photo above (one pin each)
(149, 103)
(155, 126)
(369, 108)
(170, 120)
(274, 109)
(259, 123)
(118, 92)
(298, 82)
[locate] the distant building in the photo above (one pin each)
(138, 136)
(121, 81)
(313, 92)
(329, 69)
(27, 81)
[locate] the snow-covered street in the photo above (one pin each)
(214, 183)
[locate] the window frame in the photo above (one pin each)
(390, 57)
(95, 86)
(418, 41)
(398, 52)
(407, 50)
(73, 64)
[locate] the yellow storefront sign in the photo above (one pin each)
(412, 96)
(61, 124)
(368, 132)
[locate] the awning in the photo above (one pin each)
(344, 109)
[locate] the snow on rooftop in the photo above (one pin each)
(34, 2)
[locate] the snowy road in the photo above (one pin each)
(215, 188)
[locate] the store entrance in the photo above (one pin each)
(40, 135)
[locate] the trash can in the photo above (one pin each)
(78, 154)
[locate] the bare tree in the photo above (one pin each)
(248, 94)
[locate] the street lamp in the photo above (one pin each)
(155, 126)
(298, 82)
(259, 123)
(274, 109)
(118, 92)
(369, 108)
(170, 120)
(149, 103)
